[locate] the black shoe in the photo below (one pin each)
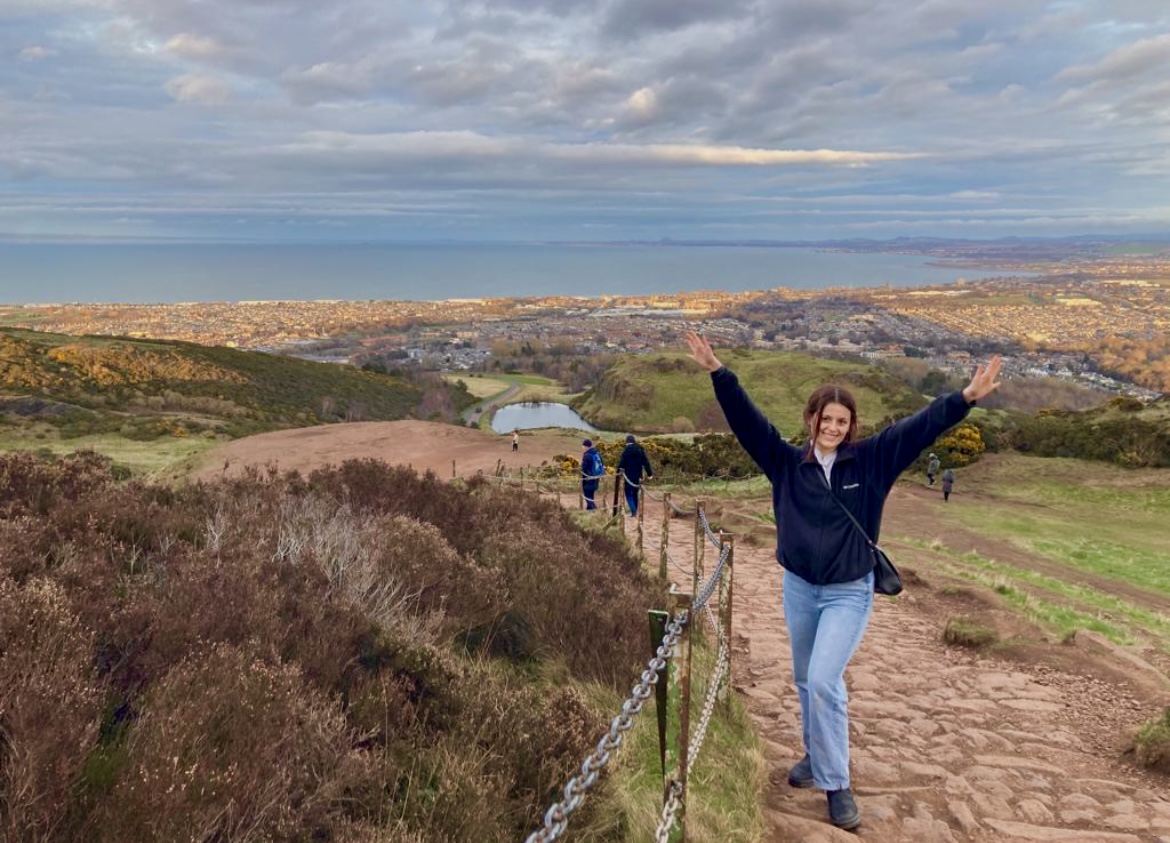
(843, 811)
(801, 773)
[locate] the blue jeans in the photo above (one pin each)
(632, 498)
(589, 489)
(825, 626)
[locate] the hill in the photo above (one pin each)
(667, 393)
(56, 388)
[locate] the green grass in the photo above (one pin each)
(550, 392)
(480, 387)
(748, 489)
(650, 393)
(1091, 517)
(968, 633)
(723, 789)
(531, 380)
(144, 459)
(1052, 602)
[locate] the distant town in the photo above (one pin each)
(1100, 319)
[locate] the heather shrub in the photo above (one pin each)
(49, 709)
(272, 657)
(229, 746)
(31, 485)
(400, 573)
(574, 598)
(478, 777)
(581, 595)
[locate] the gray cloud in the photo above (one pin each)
(568, 111)
(631, 19)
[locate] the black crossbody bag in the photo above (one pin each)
(886, 579)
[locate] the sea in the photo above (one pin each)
(51, 273)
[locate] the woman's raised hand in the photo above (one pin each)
(984, 381)
(701, 352)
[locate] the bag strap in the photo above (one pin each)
(845, 509)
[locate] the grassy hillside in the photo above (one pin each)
(1095, 518)
(64, 392)
(668, 393)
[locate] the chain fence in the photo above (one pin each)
(556, 818)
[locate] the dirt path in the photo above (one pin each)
(425, 446)
(948, 745)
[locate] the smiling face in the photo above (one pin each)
(832, 428)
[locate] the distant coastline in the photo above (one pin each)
(93, 273)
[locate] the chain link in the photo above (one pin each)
(709, 588)
(709, 614)
(673, 801)
(556, 819)
(721, 663)
(710, 533)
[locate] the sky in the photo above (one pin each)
(582, 120)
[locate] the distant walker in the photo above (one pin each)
(631, 465)
(948, 483)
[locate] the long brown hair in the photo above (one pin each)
(822, 397)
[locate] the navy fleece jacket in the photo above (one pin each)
(816, 540)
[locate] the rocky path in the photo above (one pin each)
(947, 745)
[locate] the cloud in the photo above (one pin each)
(590, 113)
(628, 19)
(36, 53)
(201, 89)
(642, 106)
(1137, 59)
(193, 46)
(724, 156)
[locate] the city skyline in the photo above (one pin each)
(590, 120)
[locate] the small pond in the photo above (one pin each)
(529, 415)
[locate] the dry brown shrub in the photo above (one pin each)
(226, 618)
(49, 709)
(31, 485)
(581, 596)
(400, 573)
(451, 792)
(510, 720)
(228, 747)
(439, 581)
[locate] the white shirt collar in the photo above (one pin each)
(826, 461)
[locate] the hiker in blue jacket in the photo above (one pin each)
(632, 463)
(828, 568)
(592, 469)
